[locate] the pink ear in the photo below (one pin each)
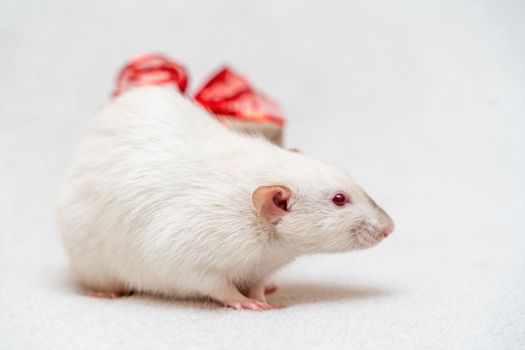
(271, 202)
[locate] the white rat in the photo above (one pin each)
(163, 199)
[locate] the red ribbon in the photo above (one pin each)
(225, 94)
(150, 69)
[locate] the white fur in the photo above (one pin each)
(159, 200)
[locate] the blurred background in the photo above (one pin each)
(423, 102)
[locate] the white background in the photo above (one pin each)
(422, 101)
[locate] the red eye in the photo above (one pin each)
(340, 199)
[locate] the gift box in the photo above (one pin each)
(226, 95)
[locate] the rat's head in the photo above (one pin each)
(317, 208)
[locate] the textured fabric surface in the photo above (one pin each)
(423, 102)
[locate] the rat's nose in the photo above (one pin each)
(387, 231)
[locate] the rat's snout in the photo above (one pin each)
(388, 226)
(384, 223)
(387, 223)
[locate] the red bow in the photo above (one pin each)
(225, 94)
(150, 69)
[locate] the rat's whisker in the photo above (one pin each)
(382, 202)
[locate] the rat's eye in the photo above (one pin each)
(340, 199)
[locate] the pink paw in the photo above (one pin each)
(248, 304)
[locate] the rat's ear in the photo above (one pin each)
(271, 202)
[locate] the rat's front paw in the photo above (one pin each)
(247, 304)
(252, 304)
(228, 295)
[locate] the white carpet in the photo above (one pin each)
(423, 101)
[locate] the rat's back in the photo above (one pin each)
(133, 182)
